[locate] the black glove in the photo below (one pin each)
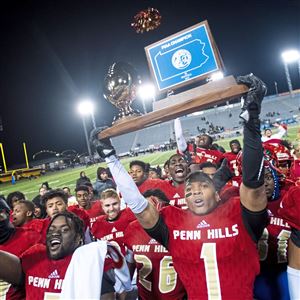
(102, 146)
(251, 105)
(222, 176)
(4, 206)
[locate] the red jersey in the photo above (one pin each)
(200, 155)
(228, 192)
(231, 159)
(157, 278)
(82, 214)
(273, 243)
(150, 184)
(21, 240)
(113, 231)
(175, 194)
(43, 276)
(295, 171)
(213, 254)
(289, 208)
(95, 211)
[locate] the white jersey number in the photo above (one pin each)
(209, 255)
(167, 273)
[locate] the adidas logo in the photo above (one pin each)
(54, 274)
(202, 224)
(152, 241)
(176, 196)
(114, 229)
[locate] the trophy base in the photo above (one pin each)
(193, 100)
(125, 118)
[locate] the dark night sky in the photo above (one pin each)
(53, 52)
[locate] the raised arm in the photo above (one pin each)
(10, 268)
(146, 213)
(252, 190)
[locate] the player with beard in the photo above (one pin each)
(93, 209)
(111, 226)
(215, 243)
(156, 276)
(14, 240)
(42, 267)
(272, 283)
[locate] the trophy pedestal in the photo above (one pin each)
(190, 101)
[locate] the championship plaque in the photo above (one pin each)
(183, 58)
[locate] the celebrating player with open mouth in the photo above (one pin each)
(213, 245)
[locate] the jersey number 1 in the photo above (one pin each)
(209, 255)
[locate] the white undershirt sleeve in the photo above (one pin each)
(180, 140)
(130, 193)
(294, 283)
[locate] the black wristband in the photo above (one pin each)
(159, 232)
(6, 230)
(255, 222)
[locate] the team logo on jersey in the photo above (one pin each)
(176, 196)
(152, 241)
(54, 274)
(114, 229)
(203, 224)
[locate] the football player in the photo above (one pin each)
(272, 280)
(156, 276)
(214, 242)
(290, 211)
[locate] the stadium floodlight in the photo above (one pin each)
(146, 92)
(289, 56)
(216, 76)
(85, 107)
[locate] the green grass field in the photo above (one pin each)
(68, 177)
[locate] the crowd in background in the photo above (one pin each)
(44, 232)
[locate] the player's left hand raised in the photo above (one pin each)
(103, 146)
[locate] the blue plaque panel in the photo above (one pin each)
(184, 56)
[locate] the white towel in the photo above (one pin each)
(83, 278)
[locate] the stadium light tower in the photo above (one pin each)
(86, 108)
(288, 57)
(146, 92)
